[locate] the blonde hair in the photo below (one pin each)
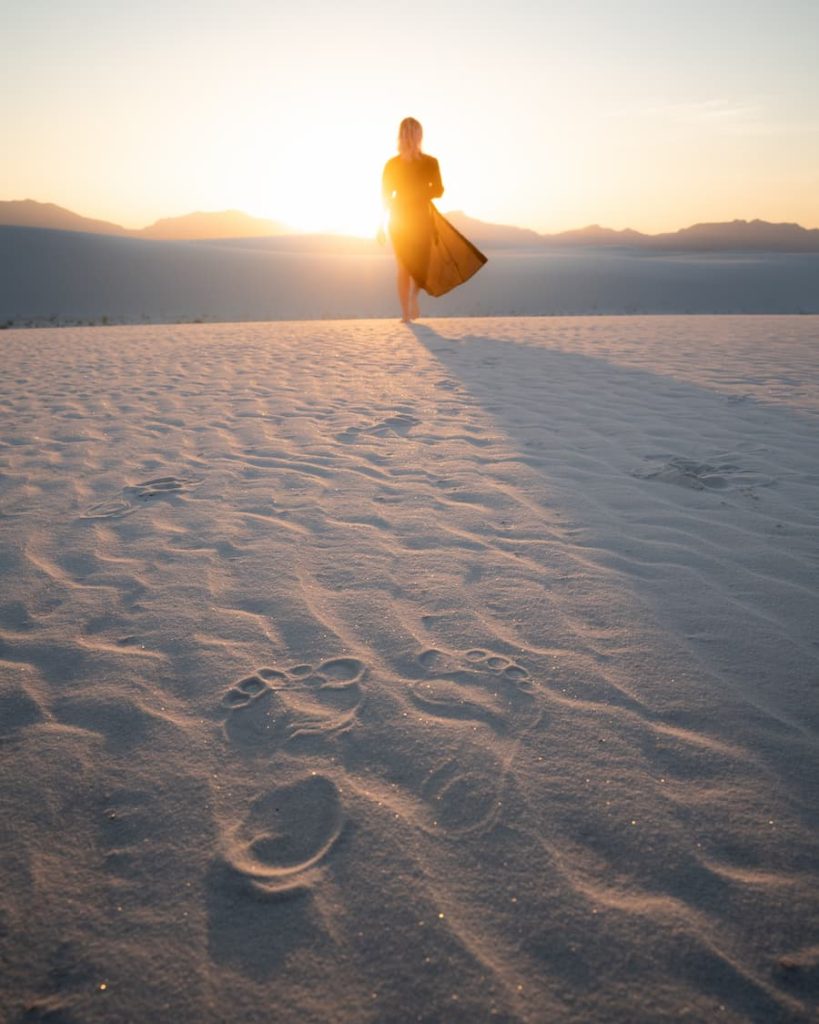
(410, 134)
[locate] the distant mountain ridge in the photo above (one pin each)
(226, 224)
(753, 235)
(736, 235)
(29, 213)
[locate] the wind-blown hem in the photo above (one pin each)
(453, 259)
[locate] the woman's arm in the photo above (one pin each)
(436, 187)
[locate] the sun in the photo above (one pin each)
(354, 215)
(308, 204)
(317, 188)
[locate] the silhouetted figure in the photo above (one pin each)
(430, 253)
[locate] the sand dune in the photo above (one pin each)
(463, 672)
(59, 277)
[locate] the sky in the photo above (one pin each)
(649, 114)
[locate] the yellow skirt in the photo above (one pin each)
(435, 253)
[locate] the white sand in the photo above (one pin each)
(359, 673)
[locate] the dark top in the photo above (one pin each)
(411, 181)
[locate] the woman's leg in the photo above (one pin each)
(403, 281)
(414, 311)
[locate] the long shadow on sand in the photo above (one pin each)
(674, 488)
(675, 470)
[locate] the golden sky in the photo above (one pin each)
(650, 114)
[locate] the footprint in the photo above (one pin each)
(464, 795)
(401, 424)
(163, 485)
(432, 657)
(476, 686)
(277, 851)
(123, 504)
(256, 715)
(241, 695)
(449, 700)
(699, 476)
(116, 508)
(349, 436)
(274, 706)
(398, 425)
(705, 476)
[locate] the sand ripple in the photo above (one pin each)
(457, 673)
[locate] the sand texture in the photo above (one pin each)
(354, 672)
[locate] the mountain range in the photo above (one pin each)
(736, 235)
(29, 213)
(754, 235)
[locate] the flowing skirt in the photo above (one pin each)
(435, 253)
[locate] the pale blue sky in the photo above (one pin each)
(552, 115)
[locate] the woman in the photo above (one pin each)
(429, 252)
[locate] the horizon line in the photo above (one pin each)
(290, 230)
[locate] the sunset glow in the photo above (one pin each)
(312, 193)
(651, 115)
